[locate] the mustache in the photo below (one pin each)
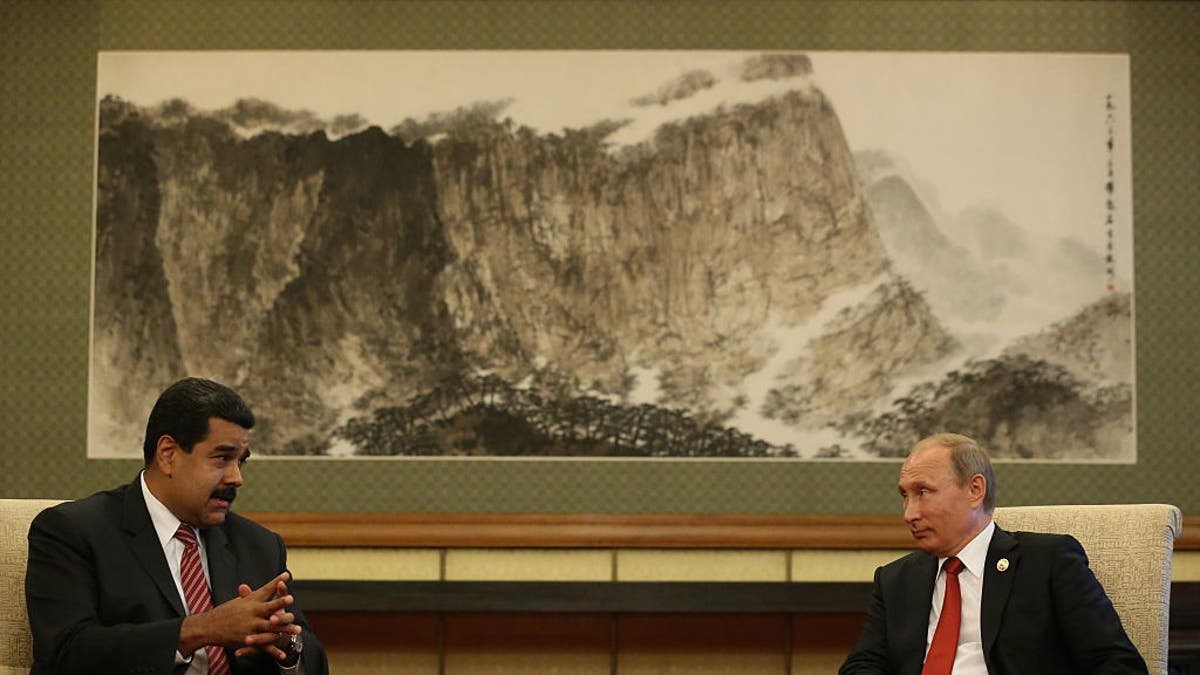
(227, 493)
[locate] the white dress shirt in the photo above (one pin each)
(165, 526)
(968, 660)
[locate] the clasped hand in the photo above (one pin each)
(252, 621)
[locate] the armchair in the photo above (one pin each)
(16, 644)
(1129, 548)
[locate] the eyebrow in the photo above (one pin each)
(226, 449)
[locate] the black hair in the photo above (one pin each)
(183, 410)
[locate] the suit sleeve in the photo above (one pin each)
(61, 593)
(870, 654)
(1090, 626)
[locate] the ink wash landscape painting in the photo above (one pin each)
(811, 256)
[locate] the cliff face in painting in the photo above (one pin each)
(467, 286)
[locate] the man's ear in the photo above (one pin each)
(165, 454)
(977, 489)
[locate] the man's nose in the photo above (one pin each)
(911, 512)
(233, 474)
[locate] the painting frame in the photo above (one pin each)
(947, 26)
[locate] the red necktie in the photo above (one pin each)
(940, 659)
(195, 590)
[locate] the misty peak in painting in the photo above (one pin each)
(705, 270)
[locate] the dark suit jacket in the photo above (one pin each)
(1045, 614)
(101, 597)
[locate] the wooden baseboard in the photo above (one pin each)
(629, 597)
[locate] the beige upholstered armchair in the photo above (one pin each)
(1129, 548)
(16, 645)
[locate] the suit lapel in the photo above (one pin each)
(146, 547)
(997, 585)
(222, 565)
(920, 594)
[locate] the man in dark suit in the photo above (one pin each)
(976, 599)
(159, 576)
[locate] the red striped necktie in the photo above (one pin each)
(940, 659)
(196, 592)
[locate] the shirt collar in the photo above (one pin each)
(165, 522)
(974, 554)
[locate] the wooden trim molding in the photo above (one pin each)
(584, 596)
(584, 530)
(657, 597)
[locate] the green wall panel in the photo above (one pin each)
(47, 89)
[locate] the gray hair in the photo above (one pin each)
(967, 458)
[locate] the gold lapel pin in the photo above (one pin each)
(1002, 564)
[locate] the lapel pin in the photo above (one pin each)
(1002, 564)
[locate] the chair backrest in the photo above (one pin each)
(1129, 548)
(16, 644)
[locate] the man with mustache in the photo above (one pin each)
(159, 576)
(977, 600)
